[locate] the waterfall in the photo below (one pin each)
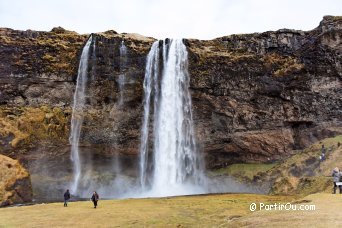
(93, 58)
(176, 164)
(151, 73)
(77, 114)
(122, 76)
(121, 83)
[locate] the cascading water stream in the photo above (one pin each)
(150, 74)
(93, 58)
(77, 114)
(176, 165)
(122, 76)
(121, 83)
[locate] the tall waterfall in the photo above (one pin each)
(176, 168)
(77, 114)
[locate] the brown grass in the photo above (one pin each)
(187, 211)
(282, 65)
(327, 213)
(226, 210)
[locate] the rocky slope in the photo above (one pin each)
(301, 174)
(15, 183)
(256, 97)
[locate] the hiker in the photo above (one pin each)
(95, 198)
(66, 197)
(336, 174)
(323, 150)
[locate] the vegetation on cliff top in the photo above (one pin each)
(37, 52)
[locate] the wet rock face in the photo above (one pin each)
(256, 97)
(15, 183)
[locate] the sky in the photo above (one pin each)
(201, 19)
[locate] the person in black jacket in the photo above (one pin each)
(95, 198)
(66, 197)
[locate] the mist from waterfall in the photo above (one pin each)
(77, 114)
(172, 165)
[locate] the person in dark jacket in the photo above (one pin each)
(66, 197)
(336, 174)
(323, 151)
(95, 198)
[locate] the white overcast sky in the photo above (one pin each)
(202, 19)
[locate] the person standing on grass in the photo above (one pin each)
(336, 174)
(95, 198)
(323, 151)
(66, 197)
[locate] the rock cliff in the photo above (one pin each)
(256, 97)
(259, 97)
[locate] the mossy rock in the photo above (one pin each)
(15, 183)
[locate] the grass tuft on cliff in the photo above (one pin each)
(244, 171)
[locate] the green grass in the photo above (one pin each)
(244, 170)
(221, 210)
(185, 211)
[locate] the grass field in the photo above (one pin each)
(327, 213)
(200, 211)
(221, 210)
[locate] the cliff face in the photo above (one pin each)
(259, 97)
(256, 97)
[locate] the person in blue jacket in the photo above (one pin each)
(66, 198)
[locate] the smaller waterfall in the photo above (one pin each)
(93, 57)
(77, 114)
(151, 73)
(122, 76)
